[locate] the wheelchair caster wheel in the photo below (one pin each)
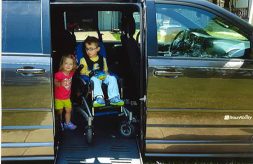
(89, 135)
(126, 129)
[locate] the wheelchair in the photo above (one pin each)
(84, 97)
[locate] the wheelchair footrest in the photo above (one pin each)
(107, 113)
(107, 107)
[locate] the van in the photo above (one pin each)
(187, 69)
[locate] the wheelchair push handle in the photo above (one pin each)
(80, 67)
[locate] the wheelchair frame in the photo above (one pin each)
(126, 127)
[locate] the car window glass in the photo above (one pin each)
(108, 23)
(21, 27)
(136, 16)
(86, 23)
(184, 31)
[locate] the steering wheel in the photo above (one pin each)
(180, 41)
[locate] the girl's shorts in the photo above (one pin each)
(60, 104)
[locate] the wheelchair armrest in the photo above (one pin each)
(91, 84)
(120, 82)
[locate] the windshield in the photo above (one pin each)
(185, 31)
(176, 18)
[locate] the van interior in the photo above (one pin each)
(119, 26)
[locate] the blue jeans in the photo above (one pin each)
(110, 81)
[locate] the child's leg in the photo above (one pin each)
(113, 89)
(97, 87)
(58, 117)
(68, 124)
(59, 114)
(60, 120)
(68, 115)
(59, 105)
(68, 109)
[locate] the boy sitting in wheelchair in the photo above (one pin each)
(95, 66)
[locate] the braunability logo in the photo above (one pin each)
(242, 117)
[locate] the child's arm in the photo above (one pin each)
(57, 79)
(85, 70)
(57, 83)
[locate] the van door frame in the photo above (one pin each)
(149, 37)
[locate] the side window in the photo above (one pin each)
(108, 23)
(86, 24)
(21, 26)
(184, 31)
(136, 16)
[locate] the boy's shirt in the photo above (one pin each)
(63, 92)
(86, 71)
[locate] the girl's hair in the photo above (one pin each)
(69, 56)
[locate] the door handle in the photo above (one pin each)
(169, 74)
(31, 71)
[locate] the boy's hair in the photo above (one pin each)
(90, 40)
(64, 57)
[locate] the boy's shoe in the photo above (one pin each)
(99, 102)
(116, 101)
(69, 126)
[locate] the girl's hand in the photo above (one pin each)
(66, 83)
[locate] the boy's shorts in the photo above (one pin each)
(60, 104)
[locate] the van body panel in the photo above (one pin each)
(19, 117)
(201, 84)
(193, 148)
(197, 105)
(24, 87)
(27, 106)
(27, 135)
(46, 30)
(38, 129)
(27, 152)
(213, 133)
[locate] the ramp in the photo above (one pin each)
(108, 147)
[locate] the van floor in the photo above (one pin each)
(107, 147)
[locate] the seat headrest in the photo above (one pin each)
(80, 51)
(128, 25)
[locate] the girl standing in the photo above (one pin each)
(62, 82)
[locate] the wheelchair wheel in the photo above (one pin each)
(89, 135)
(126, 129)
